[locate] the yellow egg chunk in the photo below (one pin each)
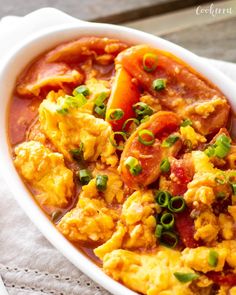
(69, 129)
(197, 258)
(151, 274)
(91, 220)
(137, 226)
(46, 172)
(188, 133)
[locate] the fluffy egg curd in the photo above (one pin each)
(126, 149)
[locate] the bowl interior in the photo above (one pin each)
(14, 63)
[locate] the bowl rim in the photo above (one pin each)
(9, 172)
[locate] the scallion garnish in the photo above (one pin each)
(115, 114)
(100, 99)
(213, 258)
(114, 142)
(142, 110)
(101, 182)
(220, 148)
(158, 231)
(146, 137)
(84, 176)
(159, 84)
(77, 153)
(176, 204)
(100, 110)
(186, 122)
(167, 220)
(220, 179)
(168, 239)
(162, 198)
(82, 89)
(128, 123)
(165, 165)
(170, 140)
(233, 185)
(133, 165)
(150, 61)
(186, 277)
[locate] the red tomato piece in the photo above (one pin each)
(219, 278)
(184, 90)
(124, 94)
(161, 125)
(185, 226)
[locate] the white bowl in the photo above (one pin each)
(13, 63)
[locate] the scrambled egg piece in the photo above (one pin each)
(205, 108)
(226, 224)
(137, 226)
(151, 274)
(152, 102)
(202, 163)
(230, 246)
(46, 172)
(188, 133)
(91, 220)
(114, 190)
(197, 258)
(232, 212)
(68, 130)
(206, 226)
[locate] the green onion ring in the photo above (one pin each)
(186, 277)
(169, 239)
(115, 114)
(131, 120)
(165, 165)
(158, 231)
(144, 132)
(213, 258)
(133, 165)
(167, 220)
(174, 202)
(101, 182)
(162, 198)
(113, 141)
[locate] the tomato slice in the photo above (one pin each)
(185, 226)
(185, 88)
(124, 94)
(161, 125)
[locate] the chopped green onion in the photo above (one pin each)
(101, 182)
(186, 122)
(170, 140)
(113, 141)
(142, 134)
(186, 277)
(84, 176)
(210, 151)
(56, 215)
(158, 231)
(150, 62)
(129, 122)
(62, 111)
(100, 99)
(213, 258)
(100, 110)
(168, 239)
(220, 148)
(159, 84)
(142, 110)
(75, 101)
(82, 89)
(133, 165)
(165, 165)
(77, 153)
(162, 198)
(167, 220)
(115, 114)
(176, 204)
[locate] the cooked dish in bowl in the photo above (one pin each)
(127, 149)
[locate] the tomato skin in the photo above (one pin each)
(185, 226)
(124, 94)
(185, 88)
(161, 124)
(229, 278)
